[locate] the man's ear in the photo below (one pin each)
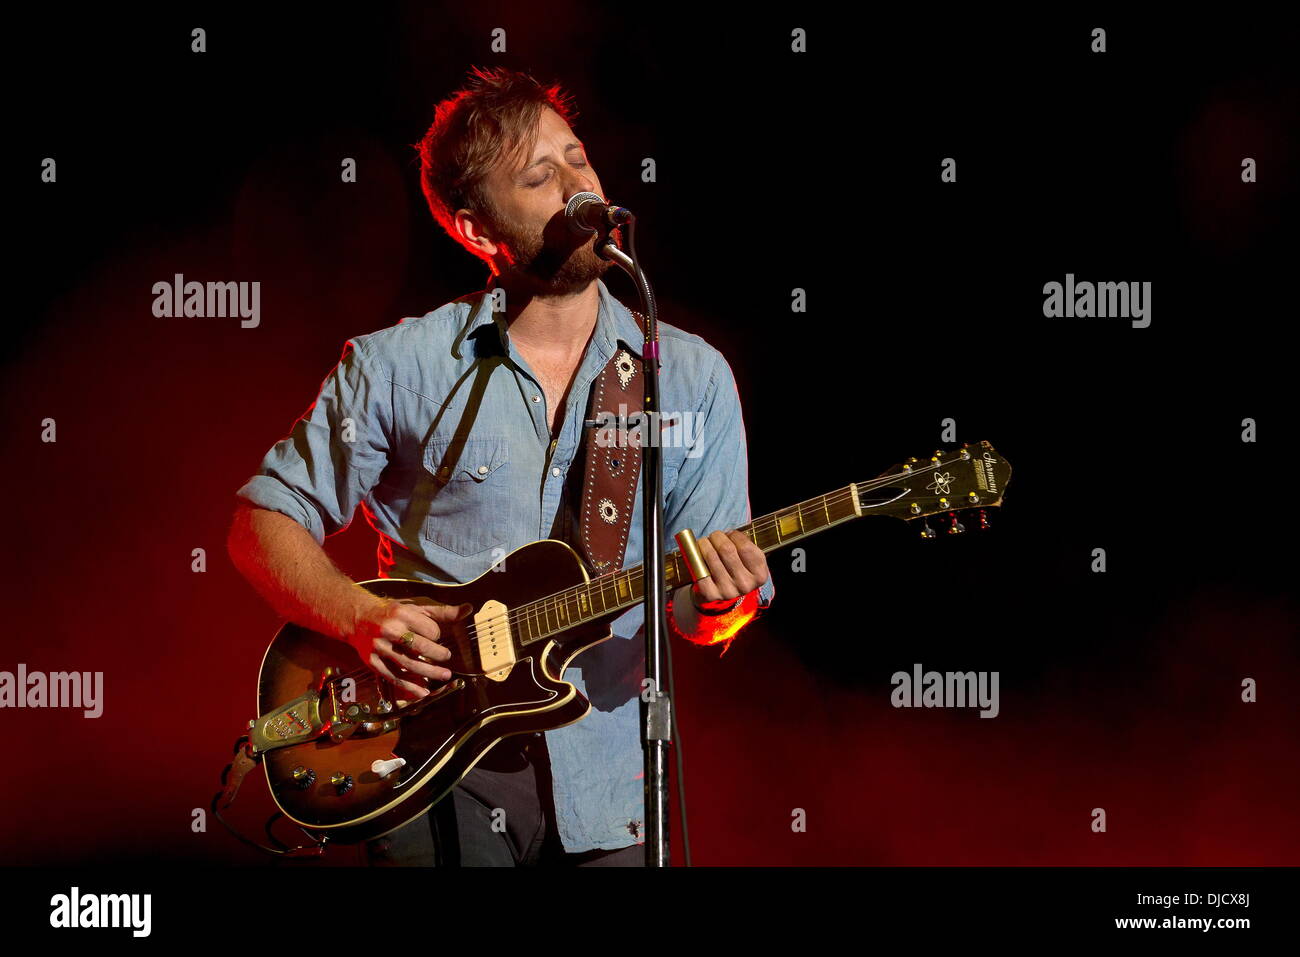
(474, 231)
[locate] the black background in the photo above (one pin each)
(775, 171)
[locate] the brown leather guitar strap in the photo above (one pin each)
(613, 460)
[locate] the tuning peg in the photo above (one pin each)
(955, 527)
(926, 530)
(984, 520)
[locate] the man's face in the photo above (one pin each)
(528, 195)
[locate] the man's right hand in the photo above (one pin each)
(377, 639)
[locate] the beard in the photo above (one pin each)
(555, 263)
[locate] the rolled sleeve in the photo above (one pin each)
(333, 457)
(712, 490)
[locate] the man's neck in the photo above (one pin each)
(551, 325)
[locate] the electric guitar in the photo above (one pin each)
(347, 763)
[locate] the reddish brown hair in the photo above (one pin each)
(491, 119)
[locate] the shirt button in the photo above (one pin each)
(482, 470)
(537, 398)
(555, 471)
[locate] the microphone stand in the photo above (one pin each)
(656, 714)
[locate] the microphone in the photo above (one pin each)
(586, 212)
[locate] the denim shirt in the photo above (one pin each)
(378, 433)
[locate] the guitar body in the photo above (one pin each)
(335, 793)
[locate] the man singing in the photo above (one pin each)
(507, 391)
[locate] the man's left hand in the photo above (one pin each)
(736, 567)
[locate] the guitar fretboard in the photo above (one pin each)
(616, 591)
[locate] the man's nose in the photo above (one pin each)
(581, 182)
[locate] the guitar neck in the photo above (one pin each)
(616, 591)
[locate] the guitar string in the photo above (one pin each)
(536, 611)
(635, 576)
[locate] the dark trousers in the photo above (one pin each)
(510, 787)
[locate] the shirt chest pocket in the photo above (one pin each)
(471, 502)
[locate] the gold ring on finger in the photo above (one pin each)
(408, 638)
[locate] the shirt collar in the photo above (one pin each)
(619, 321)
(615, 325)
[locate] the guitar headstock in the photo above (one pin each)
(971, 477)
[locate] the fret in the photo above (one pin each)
(826, 507)
(766, 538)
(680, 574)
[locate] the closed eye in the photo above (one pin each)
(545, 178)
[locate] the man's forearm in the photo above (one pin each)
(282, 561)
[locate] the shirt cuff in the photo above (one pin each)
(272, 494)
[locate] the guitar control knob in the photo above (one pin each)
(342, 782)
(385, 768)
(304, 777)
